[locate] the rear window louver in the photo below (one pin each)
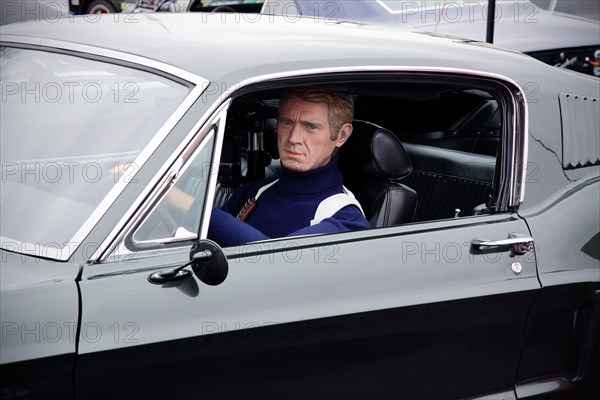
(580, 116)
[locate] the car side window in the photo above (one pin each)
(441, 144)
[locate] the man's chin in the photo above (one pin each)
(294, 166)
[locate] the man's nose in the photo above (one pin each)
(295, 135)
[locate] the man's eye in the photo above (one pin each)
(286, 122)
(312, 127)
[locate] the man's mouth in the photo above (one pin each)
(293, 153)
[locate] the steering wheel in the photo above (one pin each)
(160, 224)
(166, 218)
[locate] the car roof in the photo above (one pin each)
(242, 46)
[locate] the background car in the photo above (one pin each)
(101, 6)
(115, 6)
(563, 33)
(560, 33)
(487, 285)
(582, 8)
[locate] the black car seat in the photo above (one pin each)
(373, 160)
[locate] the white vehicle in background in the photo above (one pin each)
(563, 33)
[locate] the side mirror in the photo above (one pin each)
(209, 262)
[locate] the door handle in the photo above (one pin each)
(519, 243)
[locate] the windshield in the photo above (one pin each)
(67, 124)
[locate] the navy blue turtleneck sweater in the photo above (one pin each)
(285, 209)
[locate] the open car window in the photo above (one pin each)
(456, 136)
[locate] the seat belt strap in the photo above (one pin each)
(331, 205)
(263, 188)
(326, 209)
(251, 202)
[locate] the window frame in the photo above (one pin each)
(511, 161)
(512, 157)
(127, 247)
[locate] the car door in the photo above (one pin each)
(435, 309)
(406, 311)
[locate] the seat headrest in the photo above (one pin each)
(374, 150)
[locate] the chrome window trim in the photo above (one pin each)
(116, 56)
(517, 149)
(522, 119)
(516, 177)
(212, 180)
(196, 83)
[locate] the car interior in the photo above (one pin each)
(418, 152)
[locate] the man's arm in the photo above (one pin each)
(347, 219)
(227, 230)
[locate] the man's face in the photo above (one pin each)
(303, 135)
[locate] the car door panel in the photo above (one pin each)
(296, 315)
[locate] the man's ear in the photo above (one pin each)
(343, 134)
